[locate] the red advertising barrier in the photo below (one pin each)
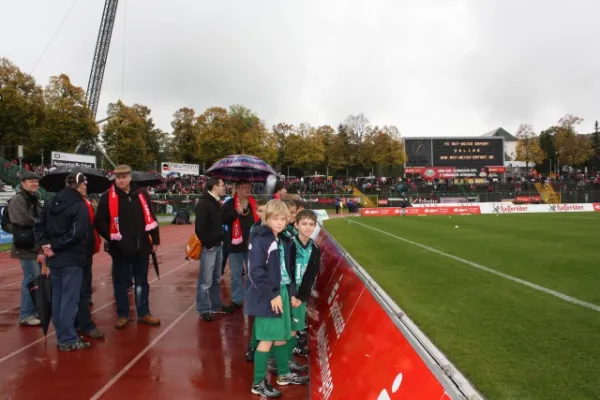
(420, 211)
(357, 351)
(597, 207)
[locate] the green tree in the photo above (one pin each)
(67, 121)
(125, 135)
(305, 148)
(282, 131)
(183, 145)
(21, 109)
(214, 135)
(573, 148)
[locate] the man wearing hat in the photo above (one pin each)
(23, 209)
(125, 219)
(62, 232)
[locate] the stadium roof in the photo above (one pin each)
(501, 132)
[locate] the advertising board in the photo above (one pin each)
(60, 159)
(458, 152)
(179, 168)
(359, 351)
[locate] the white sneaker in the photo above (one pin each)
(30, 321)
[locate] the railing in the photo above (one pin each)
(327, 201)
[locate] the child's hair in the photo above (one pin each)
(289, 203)
(299, 203)
(275, 207)
(306, 214)
(262, 202)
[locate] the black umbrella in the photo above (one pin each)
(154, 259)
(144, 179)
(40, 290)
(54, 181)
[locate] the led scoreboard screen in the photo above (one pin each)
(454, 152)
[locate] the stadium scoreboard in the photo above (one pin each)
(454, 152)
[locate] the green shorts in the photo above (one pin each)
(299, 317)
(279, 328)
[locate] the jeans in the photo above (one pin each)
(66, 288)
(84, 315)
(31, 270)
(122, 269)
(237, 286)
(208, 297)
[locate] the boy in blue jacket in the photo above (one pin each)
(268, 298)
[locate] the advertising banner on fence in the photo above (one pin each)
(5, 237)
(59, 159)
(479, 208)
(181, 169)
(421, 211)
(358, 351)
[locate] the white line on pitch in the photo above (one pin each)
(551, 292)
(141, 354)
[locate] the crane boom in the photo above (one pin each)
(98, 66)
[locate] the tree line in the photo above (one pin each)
(559, 145)
(56, 118)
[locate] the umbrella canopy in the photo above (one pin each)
(144, 179)
(239, 167)
(54, 181)
(40, 290)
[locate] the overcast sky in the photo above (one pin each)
(430, 67)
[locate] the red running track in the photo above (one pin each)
(184, 358)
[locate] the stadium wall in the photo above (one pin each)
(363, 346)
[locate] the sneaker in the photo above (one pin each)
(206, 317)
(272, 366)
(292, 379)
(149, 320)
(79, 345)
(300, 351)
(121, 322)
(94, 334)
(30, 321)
(297, 367)
(250, 354)
(223, 310)
(266, 390)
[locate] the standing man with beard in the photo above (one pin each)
(209, 230)
(126, 221)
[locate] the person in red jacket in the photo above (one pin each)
(83, 322)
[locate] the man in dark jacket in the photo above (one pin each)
(62, 232)
(209, 230)
(23, 209)
(125, 219)
(84, 322)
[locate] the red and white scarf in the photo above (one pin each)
(113, 209)
(96, 236)
(236, 228)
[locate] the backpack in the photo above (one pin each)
(6, 225)
(193, 249)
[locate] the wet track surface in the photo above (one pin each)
(184, 358)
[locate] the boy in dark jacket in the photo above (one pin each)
(62, 232)
(305, 257)
(268, 296)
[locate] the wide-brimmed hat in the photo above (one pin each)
(122, 169)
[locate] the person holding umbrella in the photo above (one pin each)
(62, 233)
(125, 219)
(239, 215)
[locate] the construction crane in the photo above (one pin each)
(98, 65)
